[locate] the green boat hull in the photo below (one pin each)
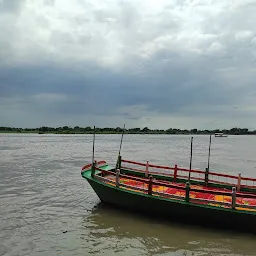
(173, 210)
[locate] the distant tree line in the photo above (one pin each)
(145, 130)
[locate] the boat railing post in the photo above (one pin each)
(117, 177)
(146, 173)
(150, 185)
(93, 169)
(175, 172)
(206, 178)
(233, 196)
(187, 191)
(239, 182)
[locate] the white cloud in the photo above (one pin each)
(113, 32)
(244, 36)
(184, 48)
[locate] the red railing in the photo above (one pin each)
(183, 173)
(105, 175)
(88, 166)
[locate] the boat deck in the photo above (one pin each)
(208, 198)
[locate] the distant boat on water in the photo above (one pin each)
(220, 134)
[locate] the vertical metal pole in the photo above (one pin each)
(119, 162)
(93, 169)
(208, 166)
(191, 153)
(93, 162)
(187, 192)
(118, 157)
(94, 131)
(121, 141)
(206, 177)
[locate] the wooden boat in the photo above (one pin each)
(191, 196)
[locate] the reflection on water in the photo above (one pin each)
(114, 229)
(46, 208)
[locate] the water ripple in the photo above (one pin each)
(46, 208)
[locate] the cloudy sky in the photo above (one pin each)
(156, 63)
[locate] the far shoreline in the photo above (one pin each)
(118, 130)
(113, 133)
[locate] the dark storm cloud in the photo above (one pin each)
(164, 88)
